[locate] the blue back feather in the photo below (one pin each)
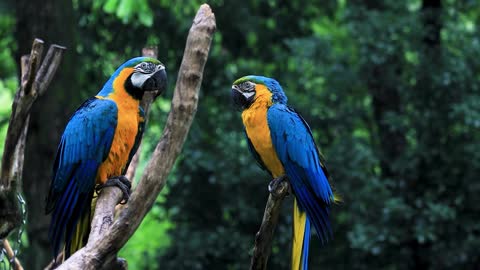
(85, 144)
(298, 153)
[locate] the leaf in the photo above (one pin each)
(110, 6)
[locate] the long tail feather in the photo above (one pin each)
(61, 214)
(306, 244)
(299, 246)
(73, 206)
(78, 234)
(317, 210)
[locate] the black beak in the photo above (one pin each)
(157, 82)
(240, 101)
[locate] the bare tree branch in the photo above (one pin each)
(33, 84)
(105, 240)
(264, 237)
(13, 154)
(20, 110)
(31, 67)
(47, 69)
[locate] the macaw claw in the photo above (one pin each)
(122, 183)
(275, 186)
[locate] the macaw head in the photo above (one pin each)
(249, 89)
(136, 76)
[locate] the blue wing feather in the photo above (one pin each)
(296, 149)
(85, 144)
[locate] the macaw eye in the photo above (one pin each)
(247, 86)
(145, 67)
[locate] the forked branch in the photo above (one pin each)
(35, 78)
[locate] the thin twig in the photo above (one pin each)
(11, 255)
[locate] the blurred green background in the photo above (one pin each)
(390, 88)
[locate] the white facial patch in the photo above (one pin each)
(138, 79)
(248, 94)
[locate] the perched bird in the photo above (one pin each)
(97, 145)
(282, 143)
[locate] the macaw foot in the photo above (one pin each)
(277, 184)
(122, 183)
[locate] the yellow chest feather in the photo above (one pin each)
(256, 125)
(125, 133)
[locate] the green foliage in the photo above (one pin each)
(334, 60)
(126, 9)
(8, 78)
(150, 240)
(395, 114)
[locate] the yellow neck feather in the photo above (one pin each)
(120, 94)
(256, 125)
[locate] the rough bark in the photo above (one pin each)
(109, 235)
(264, 237)
(34, 83)
(55, 22)
(35, 79)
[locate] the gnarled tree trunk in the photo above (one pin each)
(54, 21)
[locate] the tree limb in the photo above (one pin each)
(264, 237)
(20, 110)
(34, 72)
(47, 69)
(105, 240)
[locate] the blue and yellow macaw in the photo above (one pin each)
(282, 143)
(97, 145)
